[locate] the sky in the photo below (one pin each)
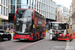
(65, 3)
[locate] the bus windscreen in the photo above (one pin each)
(23, 21)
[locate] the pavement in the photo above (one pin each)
(44, 44)
(70, 45)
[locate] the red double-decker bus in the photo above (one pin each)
(29, 25)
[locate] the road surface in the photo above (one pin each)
(43, 44)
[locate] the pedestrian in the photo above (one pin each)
(50, 34)
(56, 34)
(7, 30)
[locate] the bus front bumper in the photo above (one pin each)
(63, 39)
(23, 37)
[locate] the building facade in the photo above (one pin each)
(45, 7)
(70, 15)
(59, 14)
(65, 12)
(73, 6)
(4, 15)
(4, 9)
(73, 14)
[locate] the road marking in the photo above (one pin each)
(5, 44)
(67, 45)
(10, 43)
(28, 45)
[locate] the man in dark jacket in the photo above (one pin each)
(56, 34)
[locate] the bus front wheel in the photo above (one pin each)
(1, 39)
(9, 38)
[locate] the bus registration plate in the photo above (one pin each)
(21, 39)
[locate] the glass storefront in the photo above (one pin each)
(45, 7)
(6, 12)
(12, 8)
(34, 3)
(0, 1)
(3, 2)
(6, 2)
(24, 2)
(37, 4)
(18, 6)
(3, 10)
(12, 1)
(24, 6)
(0, 10)
(18, 1)
(29, 2)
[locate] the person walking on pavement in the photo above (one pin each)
(50, 34)
(56, 34)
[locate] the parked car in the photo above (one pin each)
(4, 34)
